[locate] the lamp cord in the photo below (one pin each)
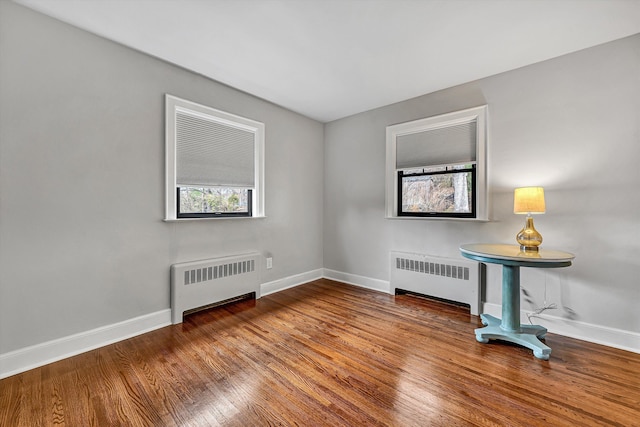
(545, 305)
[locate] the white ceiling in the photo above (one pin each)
(328, 59)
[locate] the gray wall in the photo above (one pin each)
(82, 241)
(572, 125)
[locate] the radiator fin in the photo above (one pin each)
(438, 269)
(215, 272)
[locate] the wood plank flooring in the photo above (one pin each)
(328, 354)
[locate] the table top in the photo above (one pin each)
(512, 255)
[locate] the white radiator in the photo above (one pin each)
(450, 279)
(202, 283)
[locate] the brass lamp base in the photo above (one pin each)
(528, 237)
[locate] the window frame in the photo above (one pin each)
(435, 214)
(174, 104)
(232, 214)
(393, 132)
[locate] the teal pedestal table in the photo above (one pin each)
(512, 258)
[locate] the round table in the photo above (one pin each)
(511, 257)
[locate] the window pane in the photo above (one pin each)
(439, 193)
(195, 200)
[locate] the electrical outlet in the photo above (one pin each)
(269, 263)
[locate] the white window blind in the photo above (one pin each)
(212, 153)
(438, 146)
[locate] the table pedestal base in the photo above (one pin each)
(528, 335)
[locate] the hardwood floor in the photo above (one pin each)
(328, 354)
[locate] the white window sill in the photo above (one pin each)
(437, 218)
(213, 218)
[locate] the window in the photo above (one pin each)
(214, 163)
(444, 192)
(436, 167)
(196, 202)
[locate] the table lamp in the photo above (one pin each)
(529, 200)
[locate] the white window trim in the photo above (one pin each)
(173, 104)
(479, 114)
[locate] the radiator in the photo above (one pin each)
(445, 278)
(206, 282)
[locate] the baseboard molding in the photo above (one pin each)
(356, 280)
(290, 282)
(37, 355)
(27, 358)
(611, 337)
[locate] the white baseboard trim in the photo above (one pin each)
(290, 282)
(31, 357)
(361, 281)
(37, 355)
(611, 337)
